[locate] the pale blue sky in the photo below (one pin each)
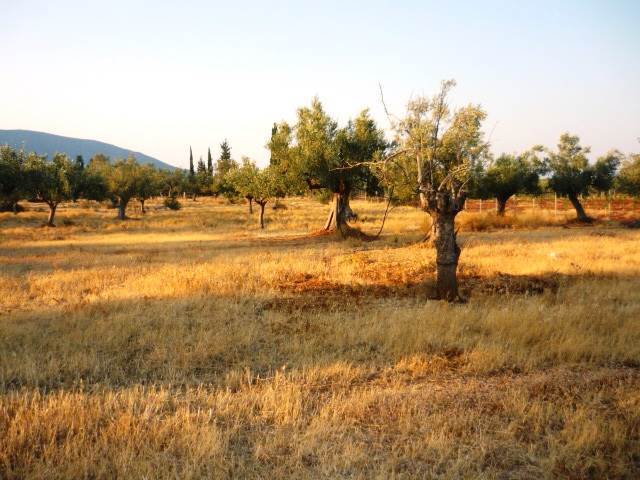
(159, 76)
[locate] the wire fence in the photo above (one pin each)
(613, 207)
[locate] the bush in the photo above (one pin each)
(172, 203)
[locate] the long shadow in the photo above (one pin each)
(100, 254)
(201, 338)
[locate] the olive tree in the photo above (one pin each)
(508, 175)
(240, 179)
(12, 178)
(148, 184)
(628, 180)
(266, 184)
(443, 146)
(48, 182)
(259, 185)
(334, 159)
(572, 174)
(605, 170)
(122, 182)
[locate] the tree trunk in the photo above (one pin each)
(443, 206)
(250, 204)
(447, 254)
(502, 205)
(52, 214)
(582, 215)
(340, 212)
(122, 208)
(275, 203)
(262, 205)
(142, 205)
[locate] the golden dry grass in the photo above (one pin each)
(191, 344)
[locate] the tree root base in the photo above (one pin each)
(350, 232)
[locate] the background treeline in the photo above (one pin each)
(314, 156)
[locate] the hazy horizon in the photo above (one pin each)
(159, 79)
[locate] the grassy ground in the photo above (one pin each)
(191, 344)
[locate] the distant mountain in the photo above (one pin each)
(49, 144)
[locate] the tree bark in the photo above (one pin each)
(52, 214)
(443, 208)
(142, 205)
(250, 204)
(122, 209)
(447, 255)
(340, 213)
(582, 215)
(262, 205)
(502, 205)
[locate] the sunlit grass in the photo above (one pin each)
(194, 344)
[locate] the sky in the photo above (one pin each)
(159, 76)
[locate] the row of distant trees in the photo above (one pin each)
(33, 177)
(565, 171)
(29, 176)
(438, 157)
(313, 155)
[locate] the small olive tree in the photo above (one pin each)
(506, 176)
(266, 185)
(628, 180)
(258, 185)
(573, 176)
(12, 178)
(240, 179)
(48, 182)
(148, 184)
(122, 180)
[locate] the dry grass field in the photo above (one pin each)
(192, 344)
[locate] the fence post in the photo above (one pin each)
(480, 205)
(555, 203)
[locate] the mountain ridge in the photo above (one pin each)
(50, 143)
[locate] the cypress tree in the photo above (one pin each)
(209, 162)
(201, 167)
(225, 163)
(192, 172)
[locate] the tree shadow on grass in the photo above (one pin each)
(202, 338)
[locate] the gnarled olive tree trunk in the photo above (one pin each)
(122, 209)
(340, 213)
(250, 199)
(262, 204)
(52, 213)
(501, 205)
(443, 208)
(582, 215)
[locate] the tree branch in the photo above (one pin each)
(312, 185)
